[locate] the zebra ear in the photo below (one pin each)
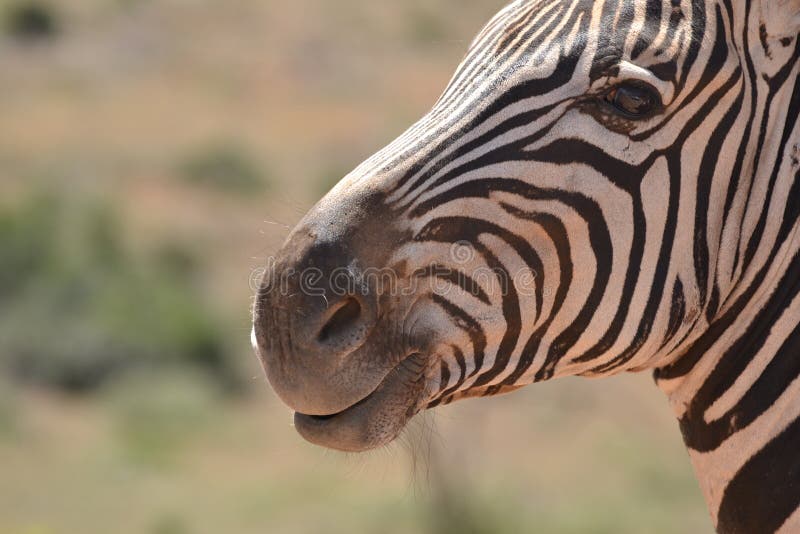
(780, 19)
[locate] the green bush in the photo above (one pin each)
(79, 309)
(27, 241)
(224, 167)
(30, 20)
(425, 25)
(8, 411)
(170, 524)
(159, 417)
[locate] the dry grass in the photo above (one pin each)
(168, 455)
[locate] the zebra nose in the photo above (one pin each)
(333, 307)
(326, 313)
(341, 321)
(341, 326)
(308, 328)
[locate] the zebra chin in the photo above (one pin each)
(375, 420)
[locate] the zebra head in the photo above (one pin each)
(583, 199)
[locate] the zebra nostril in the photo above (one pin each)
(344, 317)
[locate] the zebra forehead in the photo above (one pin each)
(649, 18)
(539, 35)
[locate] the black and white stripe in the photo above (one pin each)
(667, 243)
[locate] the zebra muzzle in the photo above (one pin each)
(374, 420)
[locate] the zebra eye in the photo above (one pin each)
(633, 101)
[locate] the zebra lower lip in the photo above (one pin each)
(374, 420)
(328, 417)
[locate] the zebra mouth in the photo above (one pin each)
(374, 420)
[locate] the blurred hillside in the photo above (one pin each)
(153, 154)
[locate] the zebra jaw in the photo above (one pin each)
(393, 402)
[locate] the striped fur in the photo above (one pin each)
(667, 243)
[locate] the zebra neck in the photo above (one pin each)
(735, 386)
(737, 395)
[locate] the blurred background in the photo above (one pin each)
(153, 154)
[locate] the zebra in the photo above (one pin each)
(604, 186)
